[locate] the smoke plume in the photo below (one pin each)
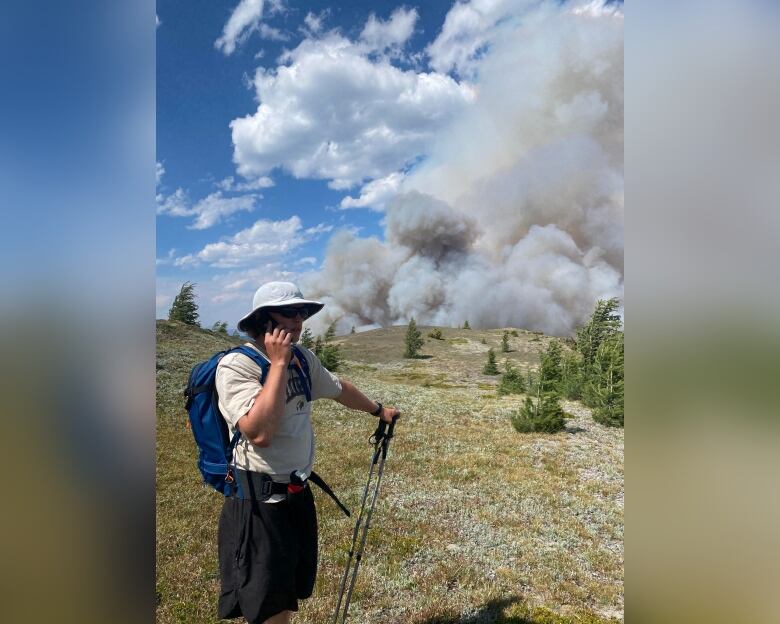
(515, 218)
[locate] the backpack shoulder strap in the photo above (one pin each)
(257, 358)
(304, 368)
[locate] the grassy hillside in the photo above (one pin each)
(475, 522)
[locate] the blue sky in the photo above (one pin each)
(284, 127)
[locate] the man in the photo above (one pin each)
(268, 548)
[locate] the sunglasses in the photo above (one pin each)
(290, 312)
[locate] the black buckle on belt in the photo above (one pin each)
(257, 485)
(266, 488)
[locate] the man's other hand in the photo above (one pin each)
(388, 413)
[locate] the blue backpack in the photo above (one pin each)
(208, 425)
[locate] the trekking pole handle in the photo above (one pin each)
(388, 436)
(382, 430)
(392, 426)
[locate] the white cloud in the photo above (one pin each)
(321, 228)
(212, 209)
(168, 259)
(467, 31)
(264, 239)
(330, 112)
(174, 205)
(272, 34)
(276, 7)
(313, 22)
(376, 193)
(157, 21)
(208, 211)
(244, 19)
(381, 35)
(160, 172)
(229, 184)
(306, 260)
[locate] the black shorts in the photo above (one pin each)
(267, 556)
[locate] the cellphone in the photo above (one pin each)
(264, 318)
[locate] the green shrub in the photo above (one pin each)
(505, 342)
(572, 378)
(542, 416)
(328, 353)
(490, 367)
(603, 388)
(435, 334)
(307, 340)
(512, 381)
(571, 386)
(610, 415)
(330, 356)
(220, 327)
(413, 340)
(514, 333)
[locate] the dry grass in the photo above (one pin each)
(475, 522)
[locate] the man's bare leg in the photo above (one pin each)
(279, 618)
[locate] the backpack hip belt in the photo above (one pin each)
(259, 486)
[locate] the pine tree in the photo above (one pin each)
(352, 331)
(511, 381)
(330, 333)
(606, 388)
(603, 324)
(413, 340)
(544, 414)
(490, 367)
(220, 327)
(466, 325)
(307, 340)
(505, 342)
(601, 369)
(330, 356)
(550, 373)
(328, 353)
(184, 308)
(571, 377)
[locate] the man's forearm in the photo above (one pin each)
(353, 398)
(262, 420)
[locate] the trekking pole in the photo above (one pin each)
(381, 437)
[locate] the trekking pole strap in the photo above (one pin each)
(318, 481)
(381, 438)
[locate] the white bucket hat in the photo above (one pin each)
(275, 294)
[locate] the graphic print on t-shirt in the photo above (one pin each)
(295, 389)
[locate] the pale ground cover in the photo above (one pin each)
(474, 511)
(475, 522)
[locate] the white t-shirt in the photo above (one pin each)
(292, 447)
